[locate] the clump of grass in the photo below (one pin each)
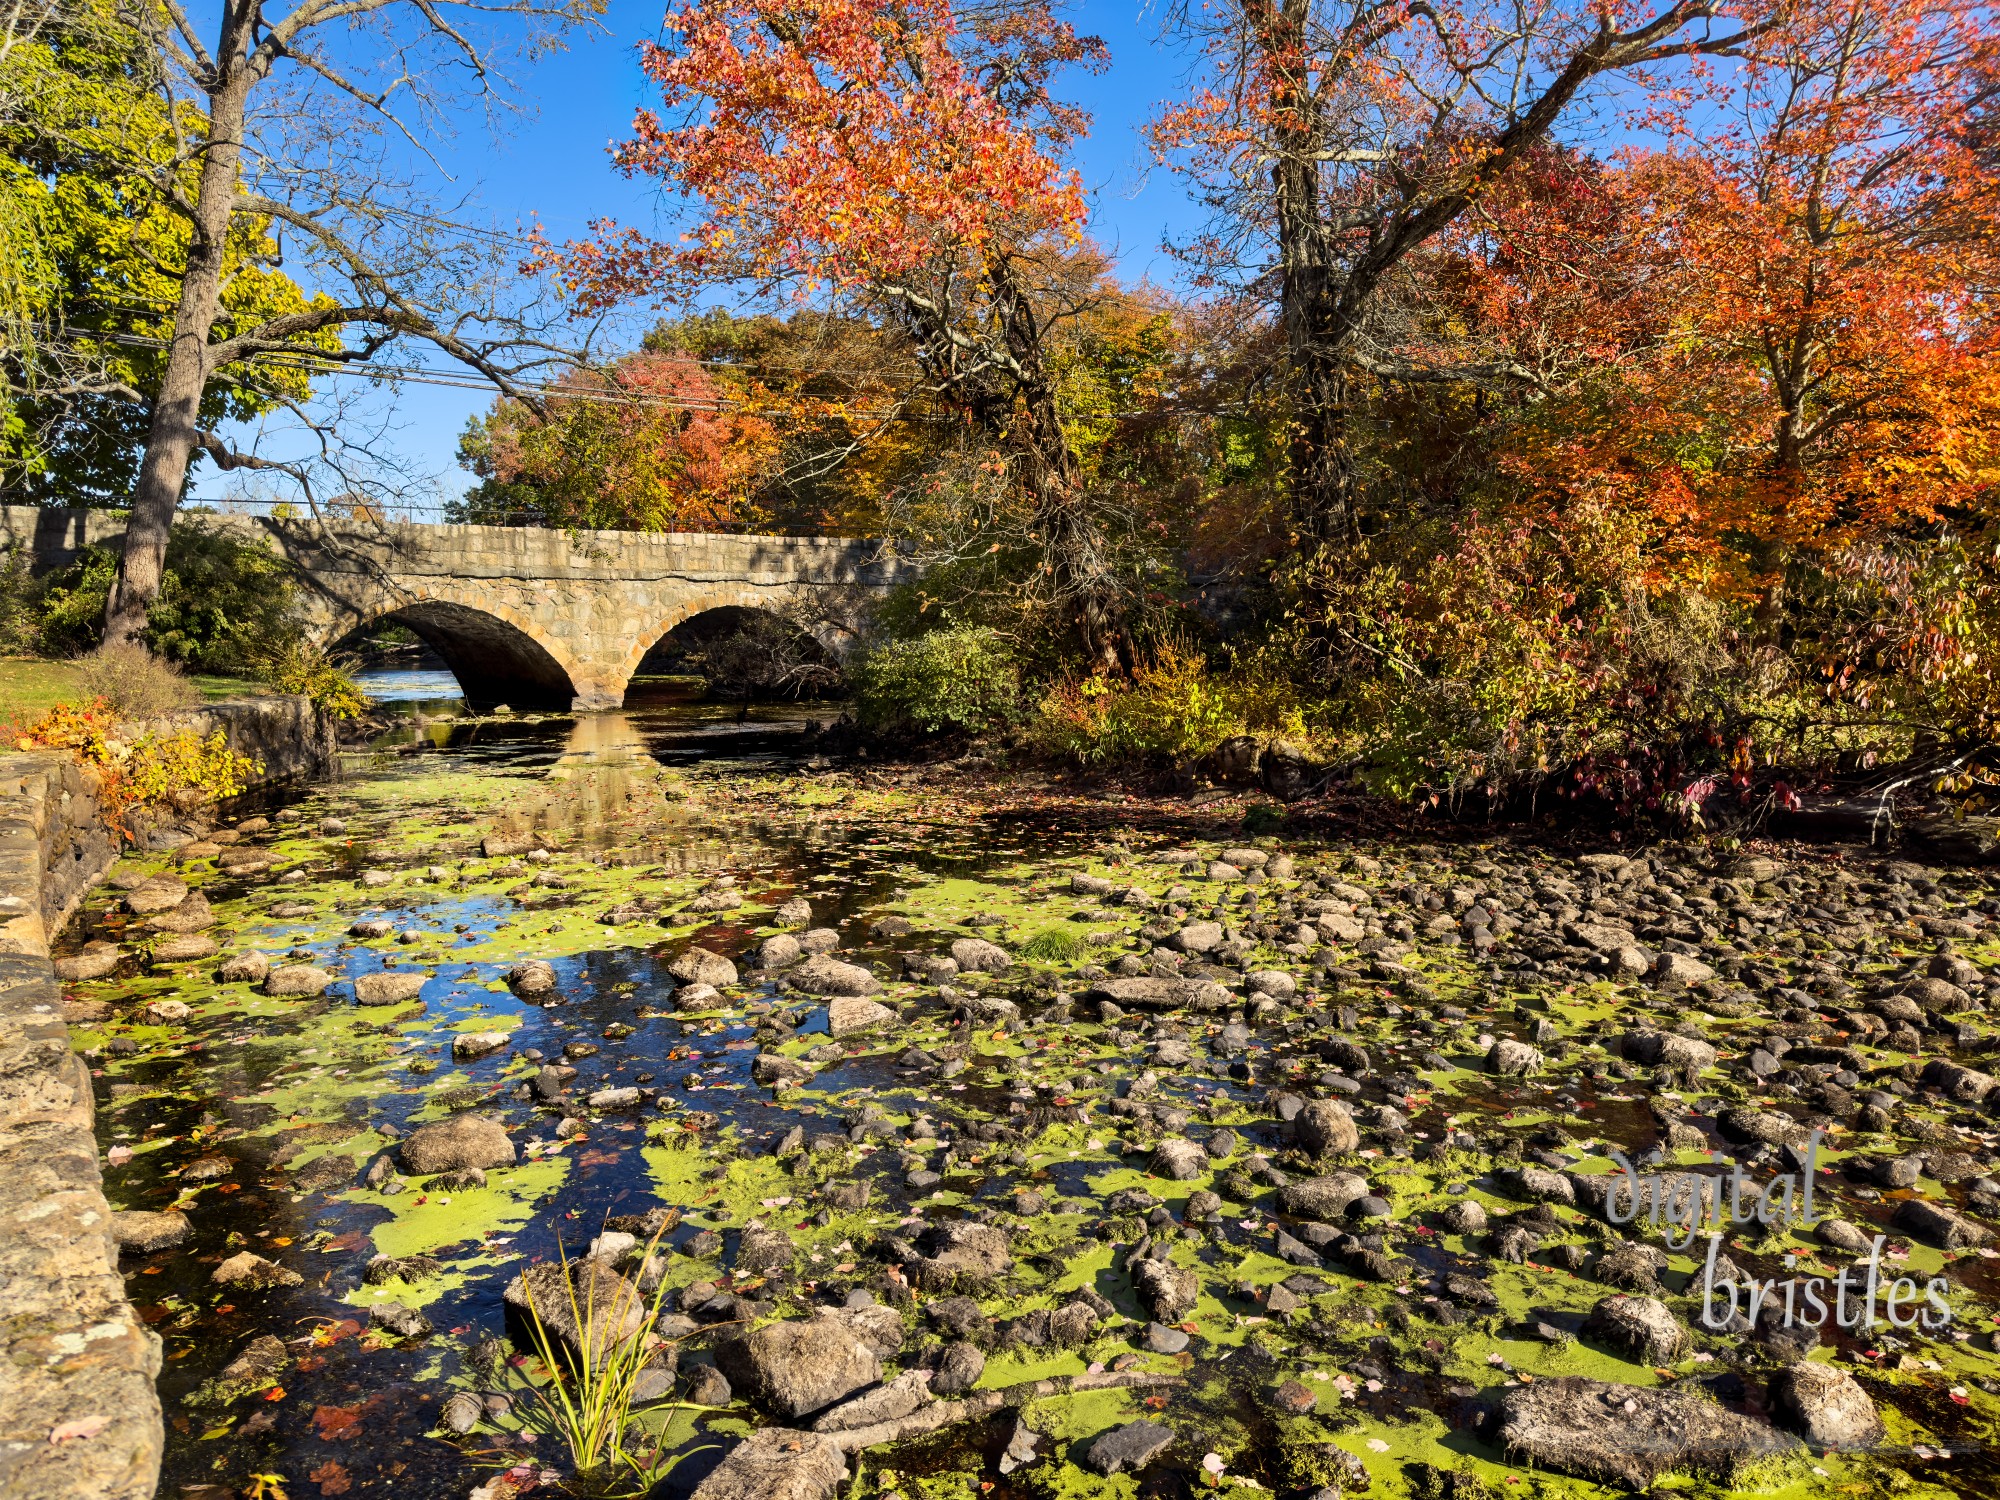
(1054, 945)
(134, 683)
(592, 1391)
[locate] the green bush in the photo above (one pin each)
(962, 680)
(298, 667)
(225, 601)
(1172, 708)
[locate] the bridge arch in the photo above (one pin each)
(497, 653)
(833, 639)
(745, 651)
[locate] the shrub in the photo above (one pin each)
(1265, 817)
(963, 679)
(309, 670)
(1054, 945)
(184, 771)
(225, 600)
(132, 682)
(1173, 708)
(180, 770)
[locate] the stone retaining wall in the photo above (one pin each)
(293, 740)
(74, 1359)
(79, 1416)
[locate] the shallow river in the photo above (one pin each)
(455, 850)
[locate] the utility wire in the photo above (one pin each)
(304, 363)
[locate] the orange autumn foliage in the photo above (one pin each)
(1785, 289)
(842, 144)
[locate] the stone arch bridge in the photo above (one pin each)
(523, 615)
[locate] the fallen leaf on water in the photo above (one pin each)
(336, 1422)
(331, 1477)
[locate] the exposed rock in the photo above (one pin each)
(849, 1014)
(886, 1403)
(1826, 1405)
(1132, 1446)
(1664, 1048)
(1322, 1197)
(1197, 937)
(820, 975)
(959, 1251)
(1512, 1059)
(1679, 969)
(1167, 1291)
(463, 1412)
(157, 894)
(252, 967)
(1957, 1082)
(404, 1322)
(1761, 1125)
(1631, 1435)
(1467, 1216)
(190, 915)
(93, 961)
(1842, 1235)
(256, 1367)
(586, 1305)
(1935, 1224)
(959, 1369)
(532, 977)
(297, 980)
(140, 1232)
(323, 1172)
(469, 1046)
(798, 1366)
(1326, 1128)
(778, 951)
(249, 1269)
(776, 1463)
(1640, 1328)
(1273, 982)
(1181, 1160)
(464, 1140)
(699, 966)
(389, 987)
(978, 956)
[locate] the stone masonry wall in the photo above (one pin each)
(79, 1417)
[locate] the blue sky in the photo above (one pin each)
(552, 165)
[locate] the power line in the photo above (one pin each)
(304, 362)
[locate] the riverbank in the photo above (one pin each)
(79, 1418)
(78, 1415)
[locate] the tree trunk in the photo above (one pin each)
(176, 424)
(1315, 328)
(1079, 562)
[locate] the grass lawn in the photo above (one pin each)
(30, 688)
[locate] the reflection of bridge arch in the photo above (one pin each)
(531, 613)
(494, 651)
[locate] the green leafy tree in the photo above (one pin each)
(92, 247)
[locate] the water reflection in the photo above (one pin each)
(430, 688)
